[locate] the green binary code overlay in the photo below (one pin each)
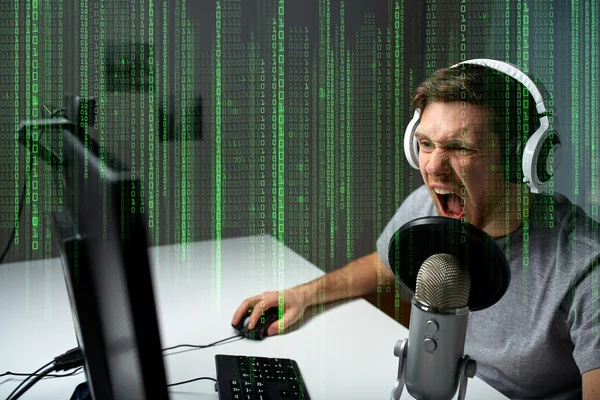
(280, 118)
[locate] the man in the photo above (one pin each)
(541, 339)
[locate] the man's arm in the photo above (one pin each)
(358, 278)
(590, 381)
(366, 277)
(363, 276)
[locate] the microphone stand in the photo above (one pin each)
(399, 351)
(468, 367)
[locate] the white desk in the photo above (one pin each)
(344, 353)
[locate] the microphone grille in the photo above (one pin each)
(443, 283)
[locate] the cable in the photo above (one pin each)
(68, 360)
(198, 347)
(192, 380)
(7, 373)
(26, 379)
(33, 382)
(202, 346)
(74, 359)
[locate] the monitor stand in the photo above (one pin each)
(81, 392)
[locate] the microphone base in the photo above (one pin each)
(468, 368)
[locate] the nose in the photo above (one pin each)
(437, 163)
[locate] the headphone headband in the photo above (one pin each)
(513, 72)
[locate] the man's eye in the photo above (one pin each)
(464, 151)
(457, 147)
(424, 144)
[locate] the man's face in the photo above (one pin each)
(460, 160)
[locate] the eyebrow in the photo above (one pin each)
(454, 142)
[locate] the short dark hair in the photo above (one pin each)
(514, 119)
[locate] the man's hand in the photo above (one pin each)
(293, 302)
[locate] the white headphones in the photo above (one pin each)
(538, 166)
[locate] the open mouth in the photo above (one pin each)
(451, 204)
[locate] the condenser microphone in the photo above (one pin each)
(453, 268)
(434, 362)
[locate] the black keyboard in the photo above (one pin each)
(259, 378)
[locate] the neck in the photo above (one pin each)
(519, 200)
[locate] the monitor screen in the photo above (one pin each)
(106, 268)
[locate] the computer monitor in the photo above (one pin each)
(105, 264)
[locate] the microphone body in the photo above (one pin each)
(436, 341)
(431, 362)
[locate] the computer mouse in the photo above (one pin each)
(260, 330)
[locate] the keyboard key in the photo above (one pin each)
(235, 388)
(285, 393)
(261, 388)
(243, 360)
(296, 392)
(286, 361)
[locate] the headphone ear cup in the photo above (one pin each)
(549, 157)
(411, 147)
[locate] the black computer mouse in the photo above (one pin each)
(260, 330)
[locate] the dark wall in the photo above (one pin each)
(229, 137)
(241, 121)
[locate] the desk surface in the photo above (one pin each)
(344, 352)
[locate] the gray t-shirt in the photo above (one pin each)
(538, 339)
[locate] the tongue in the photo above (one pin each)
(453, 204)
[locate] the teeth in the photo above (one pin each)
(441, 191)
